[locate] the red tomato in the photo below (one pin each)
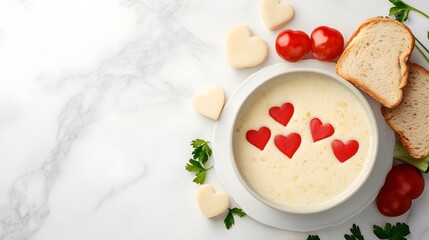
(292, 45)
(403, 184)
(392, 203)
(407, 180)
(326, 43)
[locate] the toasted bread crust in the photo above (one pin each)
(401, 133)
(403, 62)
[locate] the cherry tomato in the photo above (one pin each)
(392, 203)
(407, 180)
(403, 184)
(326, 43)
(292, 45)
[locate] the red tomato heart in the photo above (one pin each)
(344, 151)
(282, 114)
(259, 138)
(320, 131)
(289, 144)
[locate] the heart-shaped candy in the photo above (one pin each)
(259, 138)
(320, 131)
(275, 14)
(282, 114)
(210, 104)
(288, 144)
(244, 50)
(344, 151)
(212, 203)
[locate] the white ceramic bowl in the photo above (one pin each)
(247, 90)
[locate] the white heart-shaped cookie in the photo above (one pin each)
(275, 14)
(212, 203)
(210, 103)
(243, 49)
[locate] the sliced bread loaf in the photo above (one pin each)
(375, 59)
(410, 119)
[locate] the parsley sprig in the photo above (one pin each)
(389, 232)
(229, 219)
(401, 10)
(197, 164)
(396, 232)
(356, 234)
(313, 237)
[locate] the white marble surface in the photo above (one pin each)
(96, 120)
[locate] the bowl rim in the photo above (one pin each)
(260, 79)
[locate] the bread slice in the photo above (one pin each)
(375, 59)
(410, 119)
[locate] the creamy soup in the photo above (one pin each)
(312, 174)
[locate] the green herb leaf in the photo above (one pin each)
(348, 237)
(313, 237)
(400, 231)
(399, 3)
(356, 234)
(239, 212)
(399, 13)
(202, 150)
(379, 232)
(402, 10)
(201, 154)
(395, 10)
(229, 219)
(397, 232)
(355, 230)
(194, 166)
(388, 229)
(200, 177)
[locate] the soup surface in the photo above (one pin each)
(297, 164)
